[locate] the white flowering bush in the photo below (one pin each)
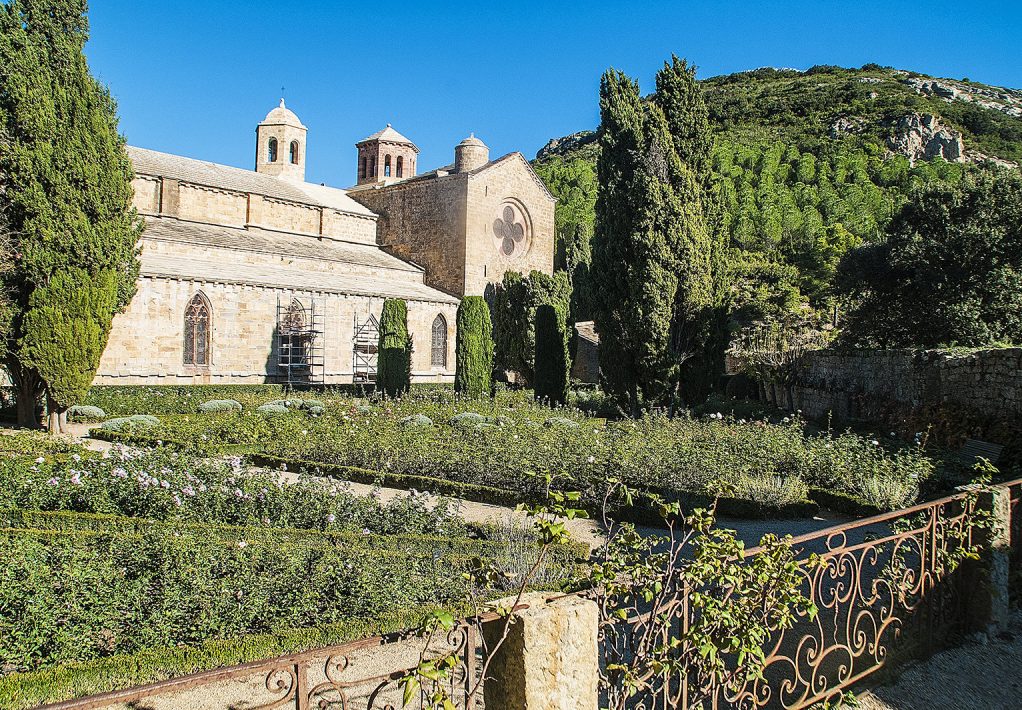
(168, 485)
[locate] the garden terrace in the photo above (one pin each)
(500, 450)
(178, 563)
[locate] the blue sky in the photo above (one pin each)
(194, 78)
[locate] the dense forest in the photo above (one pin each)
(804, 167)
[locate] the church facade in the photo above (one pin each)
(259, 276)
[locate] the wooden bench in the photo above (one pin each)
(974, 450)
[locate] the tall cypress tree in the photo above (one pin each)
(474, 348)
(393, 374)
(698, 328)
(620, 138)
(67, 199)
(552, 359)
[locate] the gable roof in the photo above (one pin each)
(447, 171)
(268, 241)
(201, 172)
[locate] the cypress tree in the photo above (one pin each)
(552, 359)
(67, 202)
(393, 375)
(699, 326)
(620, 139)
(652, 256)
(474, 349)
(514, 306)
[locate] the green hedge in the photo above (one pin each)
(66, 521)
(76, 596)
(456, 489)
(67, 681)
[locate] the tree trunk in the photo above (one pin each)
(28, 389)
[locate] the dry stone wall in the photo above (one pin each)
(958, 395)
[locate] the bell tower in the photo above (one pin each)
(280, 145)
(385, 157)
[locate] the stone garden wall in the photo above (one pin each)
(958, 395)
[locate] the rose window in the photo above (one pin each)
(510, 231)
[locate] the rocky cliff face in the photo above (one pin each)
(1007, 101)
(567, 144)
(924, 137)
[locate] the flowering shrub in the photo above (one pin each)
(499, 442)
(168, 485)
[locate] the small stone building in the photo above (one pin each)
(258, 276)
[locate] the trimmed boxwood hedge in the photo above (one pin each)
(76, 679)
(66, 521)
(403, 481)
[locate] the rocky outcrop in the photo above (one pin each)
(847, 124)
(567, 144)
(1007, 101)
(924, 137)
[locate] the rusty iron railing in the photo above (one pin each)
(884, 591)
(361, 675)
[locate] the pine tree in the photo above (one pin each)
(393, 375)
(553, 363)
(67, 201)
(474, 349)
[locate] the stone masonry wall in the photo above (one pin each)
(488, 189)
(423, 221)
(146, 343)
(961, 395)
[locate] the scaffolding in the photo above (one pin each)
(300, 343)
(365, 346)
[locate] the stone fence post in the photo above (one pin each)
(989, 599)
(550, 658)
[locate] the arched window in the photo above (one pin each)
(438, 352)
(362, 168)
(271, 152)
(294, 336)
(400, 166)
(294, 152)
(372, 167)
(386, 166)
(197, 317)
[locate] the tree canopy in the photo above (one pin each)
(949, 273)
(67, 200)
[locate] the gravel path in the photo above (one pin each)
(983, 673)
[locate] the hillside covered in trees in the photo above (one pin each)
(804, 167)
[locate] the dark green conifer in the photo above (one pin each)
(553, 363)
(67, 202)
(513, 313)
(394, 353)
(474, 349)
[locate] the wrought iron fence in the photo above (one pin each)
(886, 588)
(362, 675)
(885, 591)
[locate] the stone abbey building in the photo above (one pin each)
(258, 276)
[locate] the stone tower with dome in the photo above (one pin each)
(280, 144)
